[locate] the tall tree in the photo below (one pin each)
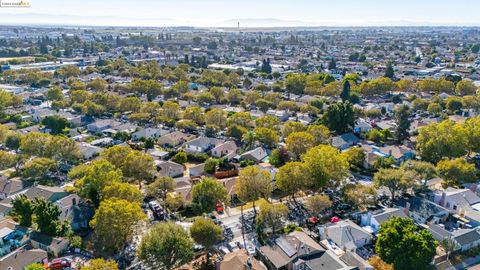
(252, 184)
(91, 179)
(389, 72)
(272, 215)
(324, 165)
(47, 218)
(345, 95)
(124, 215)
(395, 180)
(401, 116)
(442, 140)
(166, 246)
(23, 209)
(299, 142)
(291, 178)
(317, 204)
(207, 193)
(123, 191)
(206, 233)
(340, 117)
(401, 244)
(457, 171)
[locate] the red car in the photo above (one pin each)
(59, 264)
(219, 208)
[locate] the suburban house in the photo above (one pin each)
(344, 141)
(10, 186)
(77, 213)
(149, 133)
(466, 239)
(257, 155)
(423, 211)
(240, 260)
(298, 251)
(201, 144)
(169, 168)
(228, 148)
(22, 257)
(455, 199)
(12, 236)
(158, 154)
(362, 126)
(100, 125)
(89, 151)
(346, 234)
(52, 245)
(371, 221)
(174, 139)
(197, 170)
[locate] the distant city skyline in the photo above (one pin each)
(250, 13)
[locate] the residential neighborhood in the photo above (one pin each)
(299, 148)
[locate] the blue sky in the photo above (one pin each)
(219, 12)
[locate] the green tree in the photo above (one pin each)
(295, 83)
(252, 184)
(35, 266)
(272, 215)
(166, 246)
(236, 131)
(320, 132)
(135, 165)
(124, 215)
(457, 171)
(54, 93)
(211, 165)
(101, 264)
(266, 136)
(91, 179)
(160, 187)
(454, 104)
(23, 209)
(402, 244)
(299, 142)
(55, 123)
(180, 157)
(207, 193)
(472, 128)
(279, 157)
(383, 163)
(423, 170)
(442, 140)
(339, 117)
(206, 233)
(401, 116)
(389, 72)
(355, 157)
(37, 168)
(291, 178)
(465, 87)
(361, 196)
(122, 191)
(317, 204)
(291, 126)
(395, 180)
(47, 218)
(7, 160)
(324, 165)
(345, 95)
(216, 117)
